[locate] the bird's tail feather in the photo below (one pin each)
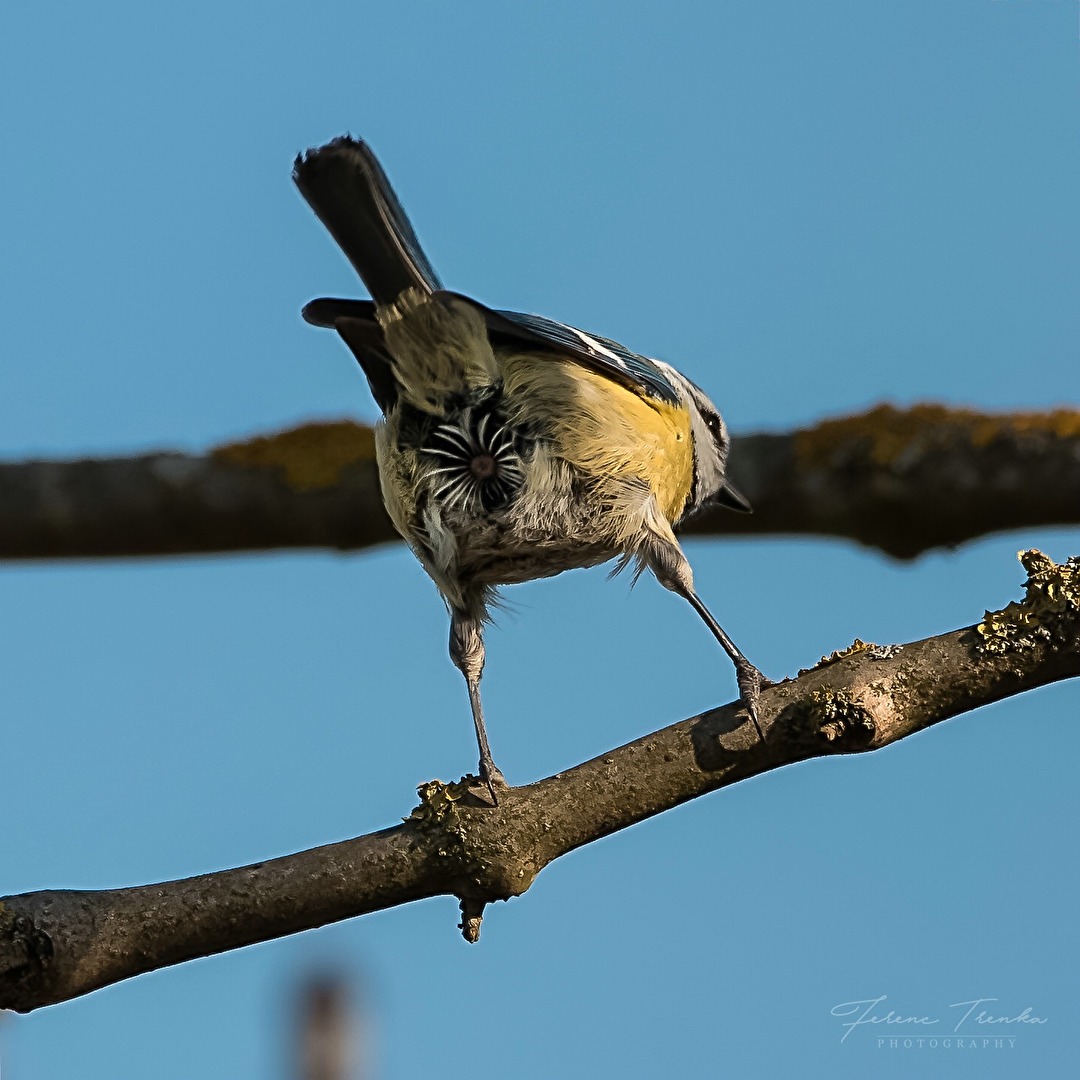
(345, 185)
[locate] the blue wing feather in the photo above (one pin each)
(516, 330)
(637, 372)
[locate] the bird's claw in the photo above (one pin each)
(492, 778)
(751, 682)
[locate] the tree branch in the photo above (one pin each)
(904, 481)
(56, 945)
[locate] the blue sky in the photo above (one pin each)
(810, 208)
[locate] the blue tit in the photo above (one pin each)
(511, 447)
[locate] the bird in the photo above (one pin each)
(511, 447)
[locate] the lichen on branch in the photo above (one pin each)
(56, 945)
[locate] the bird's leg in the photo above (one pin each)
(672, 570)
(748, 677)
(467, 653)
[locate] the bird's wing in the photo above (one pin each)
(601, 354)
(512, 329)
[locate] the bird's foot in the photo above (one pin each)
(492, 778)
(751, 683)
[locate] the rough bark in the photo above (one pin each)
(56, 945)
(903, 481)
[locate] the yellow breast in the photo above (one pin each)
(603, 428)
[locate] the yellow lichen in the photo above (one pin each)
(838, 715)
(885, 432)
(310, 456)
(1052, 590)
(437, 800)
(857, 646)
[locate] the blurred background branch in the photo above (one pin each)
(901, 480)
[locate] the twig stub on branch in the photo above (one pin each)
(56, 945)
